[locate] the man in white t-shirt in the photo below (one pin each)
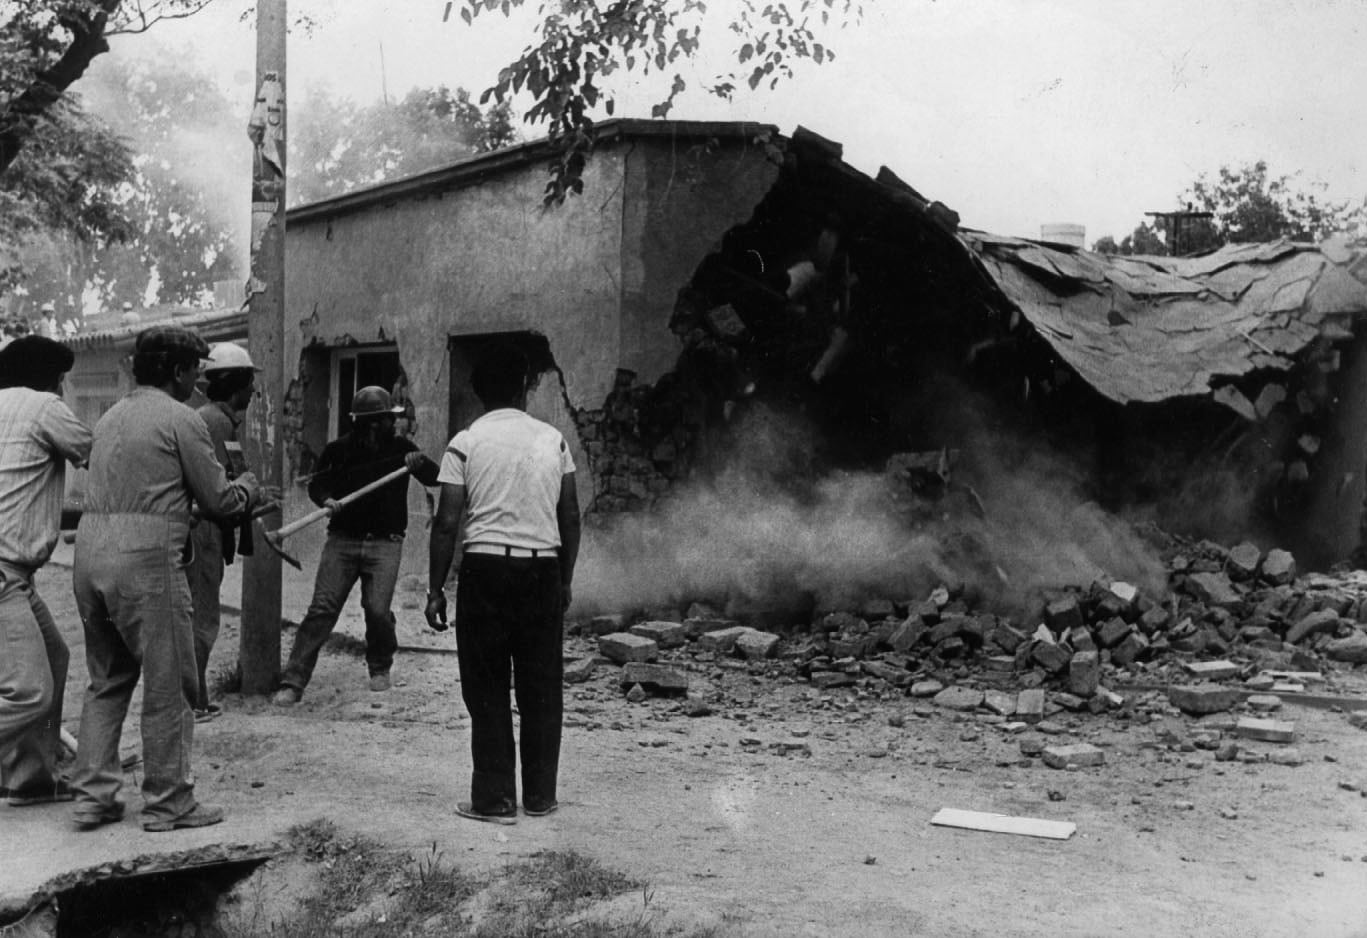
(510, 479)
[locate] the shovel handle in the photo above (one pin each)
(321, 513)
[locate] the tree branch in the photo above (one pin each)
(88, 40)
(145, 23)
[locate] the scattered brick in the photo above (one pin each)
(1051, 656)
(1202, 698)
(606, 625)
(1279, 567)
(1113, 631)
(1079, 754)
(898, 677)
(1063, 614)
(654, 678)
(1322, 620)
(622, 647)
(1030, 705)
(695, 626)
(1155, 620)
(1130, 650)
(1264, 703)
(1243, 561)
(999, 702)
(827, 679)
(579, 670)
(1084, 673)
(664, 634)
(1212, 670)
(755, 645)
(722, 641)
(1214, 589)
(907, 634)
(1352, 648)
(1270, 731)
(959, 698)
(927, 688)
(1290, 756)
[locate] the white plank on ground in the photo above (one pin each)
(1003, 823)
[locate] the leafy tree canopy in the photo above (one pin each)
(581, 44)
(46, 45)
(66, 181)
(1246, 204)
(337, 145)
(177, 200)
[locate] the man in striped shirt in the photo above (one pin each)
(39, 435)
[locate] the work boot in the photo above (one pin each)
(201, 815)
(380, 682)
(89, 816)
(286, 697)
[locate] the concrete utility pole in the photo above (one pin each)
(259, 650)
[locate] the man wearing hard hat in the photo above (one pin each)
(365, 539)
(230, 382)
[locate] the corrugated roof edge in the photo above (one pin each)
(475, 168)
(211, 324)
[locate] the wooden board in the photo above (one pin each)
(1003, 824)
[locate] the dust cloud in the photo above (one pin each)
(757, 540)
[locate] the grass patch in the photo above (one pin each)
(365, 890)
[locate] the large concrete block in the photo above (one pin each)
(622, 647)
(654, 678)
(664, 634)
(1084, 673)
(1200, 699)
(754, 644)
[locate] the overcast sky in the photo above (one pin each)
(1012, 112)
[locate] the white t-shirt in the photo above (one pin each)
(511, 465)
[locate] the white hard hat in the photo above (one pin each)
(227, 355)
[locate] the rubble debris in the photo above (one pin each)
(1270, 731)
(579, 670)
(1082, 755)
(621, 647)
(1264, 703)
(959, 698)
(1200, 699)
(754, 644)
(1003, 824)
(1212, 670)
(654, 679)
(663, 634)
(722, 640)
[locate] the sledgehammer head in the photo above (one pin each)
(275, 541)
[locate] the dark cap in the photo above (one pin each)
(169, 340)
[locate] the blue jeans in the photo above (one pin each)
(33, 666)
(374, 560)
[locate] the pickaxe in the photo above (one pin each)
(275, 538)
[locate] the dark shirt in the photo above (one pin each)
(345, 466)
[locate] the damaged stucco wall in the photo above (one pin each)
(596, 277)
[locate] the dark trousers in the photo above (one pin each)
(509, 620)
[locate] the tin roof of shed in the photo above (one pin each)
(1153, 328)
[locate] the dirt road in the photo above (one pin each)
(788, 810)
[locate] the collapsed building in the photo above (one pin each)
(715, 271)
